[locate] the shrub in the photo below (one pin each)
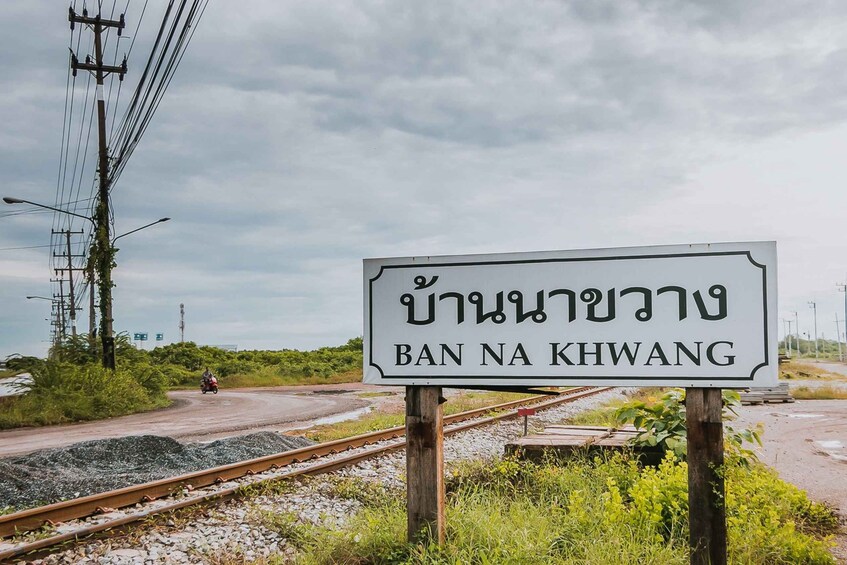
(662, 423)
(62, 392)
(586, 511)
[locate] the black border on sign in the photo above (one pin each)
(569, 260)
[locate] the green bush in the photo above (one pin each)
(608, 511)
(183, 363)
(662, 423)
(63, 392)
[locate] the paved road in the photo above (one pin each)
(839, 368)
(201, 417)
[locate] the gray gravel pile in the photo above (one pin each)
(97, 466)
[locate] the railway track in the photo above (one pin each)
(152, 494)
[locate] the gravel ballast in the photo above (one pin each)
(92, 467)
(234, 531)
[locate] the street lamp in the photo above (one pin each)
(105, 256)
(10, 200)
(159, 221)
(53, 302)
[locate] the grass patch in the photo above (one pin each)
(390, 418)
(366, 492)
(599, 511)
(605, 415)
(825, 392)
(62, 393)
(796, 370)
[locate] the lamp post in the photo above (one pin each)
(53, 302)
(159, 221)
(104, 258)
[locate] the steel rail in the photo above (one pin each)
(34, 518)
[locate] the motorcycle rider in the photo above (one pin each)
(207, 378)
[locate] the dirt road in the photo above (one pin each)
(202, 417)
(806, 442)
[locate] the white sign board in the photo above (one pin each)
(681, 315)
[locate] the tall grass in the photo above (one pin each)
(793, 370)
(62, 392)
(589, 512)
(825, 392)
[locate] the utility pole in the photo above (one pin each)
(813, 305)
(61, 320)
(797, 332)
(181, 322)
(788, 337)
(842, 287)
(70, 269)
(838, 337)
(785, 342)
(102, 242)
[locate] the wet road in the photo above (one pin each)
(839, 368)
(201, 417)
(806, 442)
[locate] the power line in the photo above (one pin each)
(161, 66)
(24, 247)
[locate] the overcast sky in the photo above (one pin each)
(300, 137)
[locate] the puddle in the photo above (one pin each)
(830, 444)
(805, 415)
(335, 418)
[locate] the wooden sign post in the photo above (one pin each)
(424, 464)
(706, 492)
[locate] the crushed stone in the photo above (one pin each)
(91, 467)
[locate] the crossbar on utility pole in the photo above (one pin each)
(102, 240)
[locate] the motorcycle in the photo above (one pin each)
(209, 385)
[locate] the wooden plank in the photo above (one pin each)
(707, 512)
(424, 464)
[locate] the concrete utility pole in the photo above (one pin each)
(797, 332)
(842, 287)
(60, 315)
(788, 337)
(838, 337)
(102, 241)
(813, 305)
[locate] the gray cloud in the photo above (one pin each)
(298, 138)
